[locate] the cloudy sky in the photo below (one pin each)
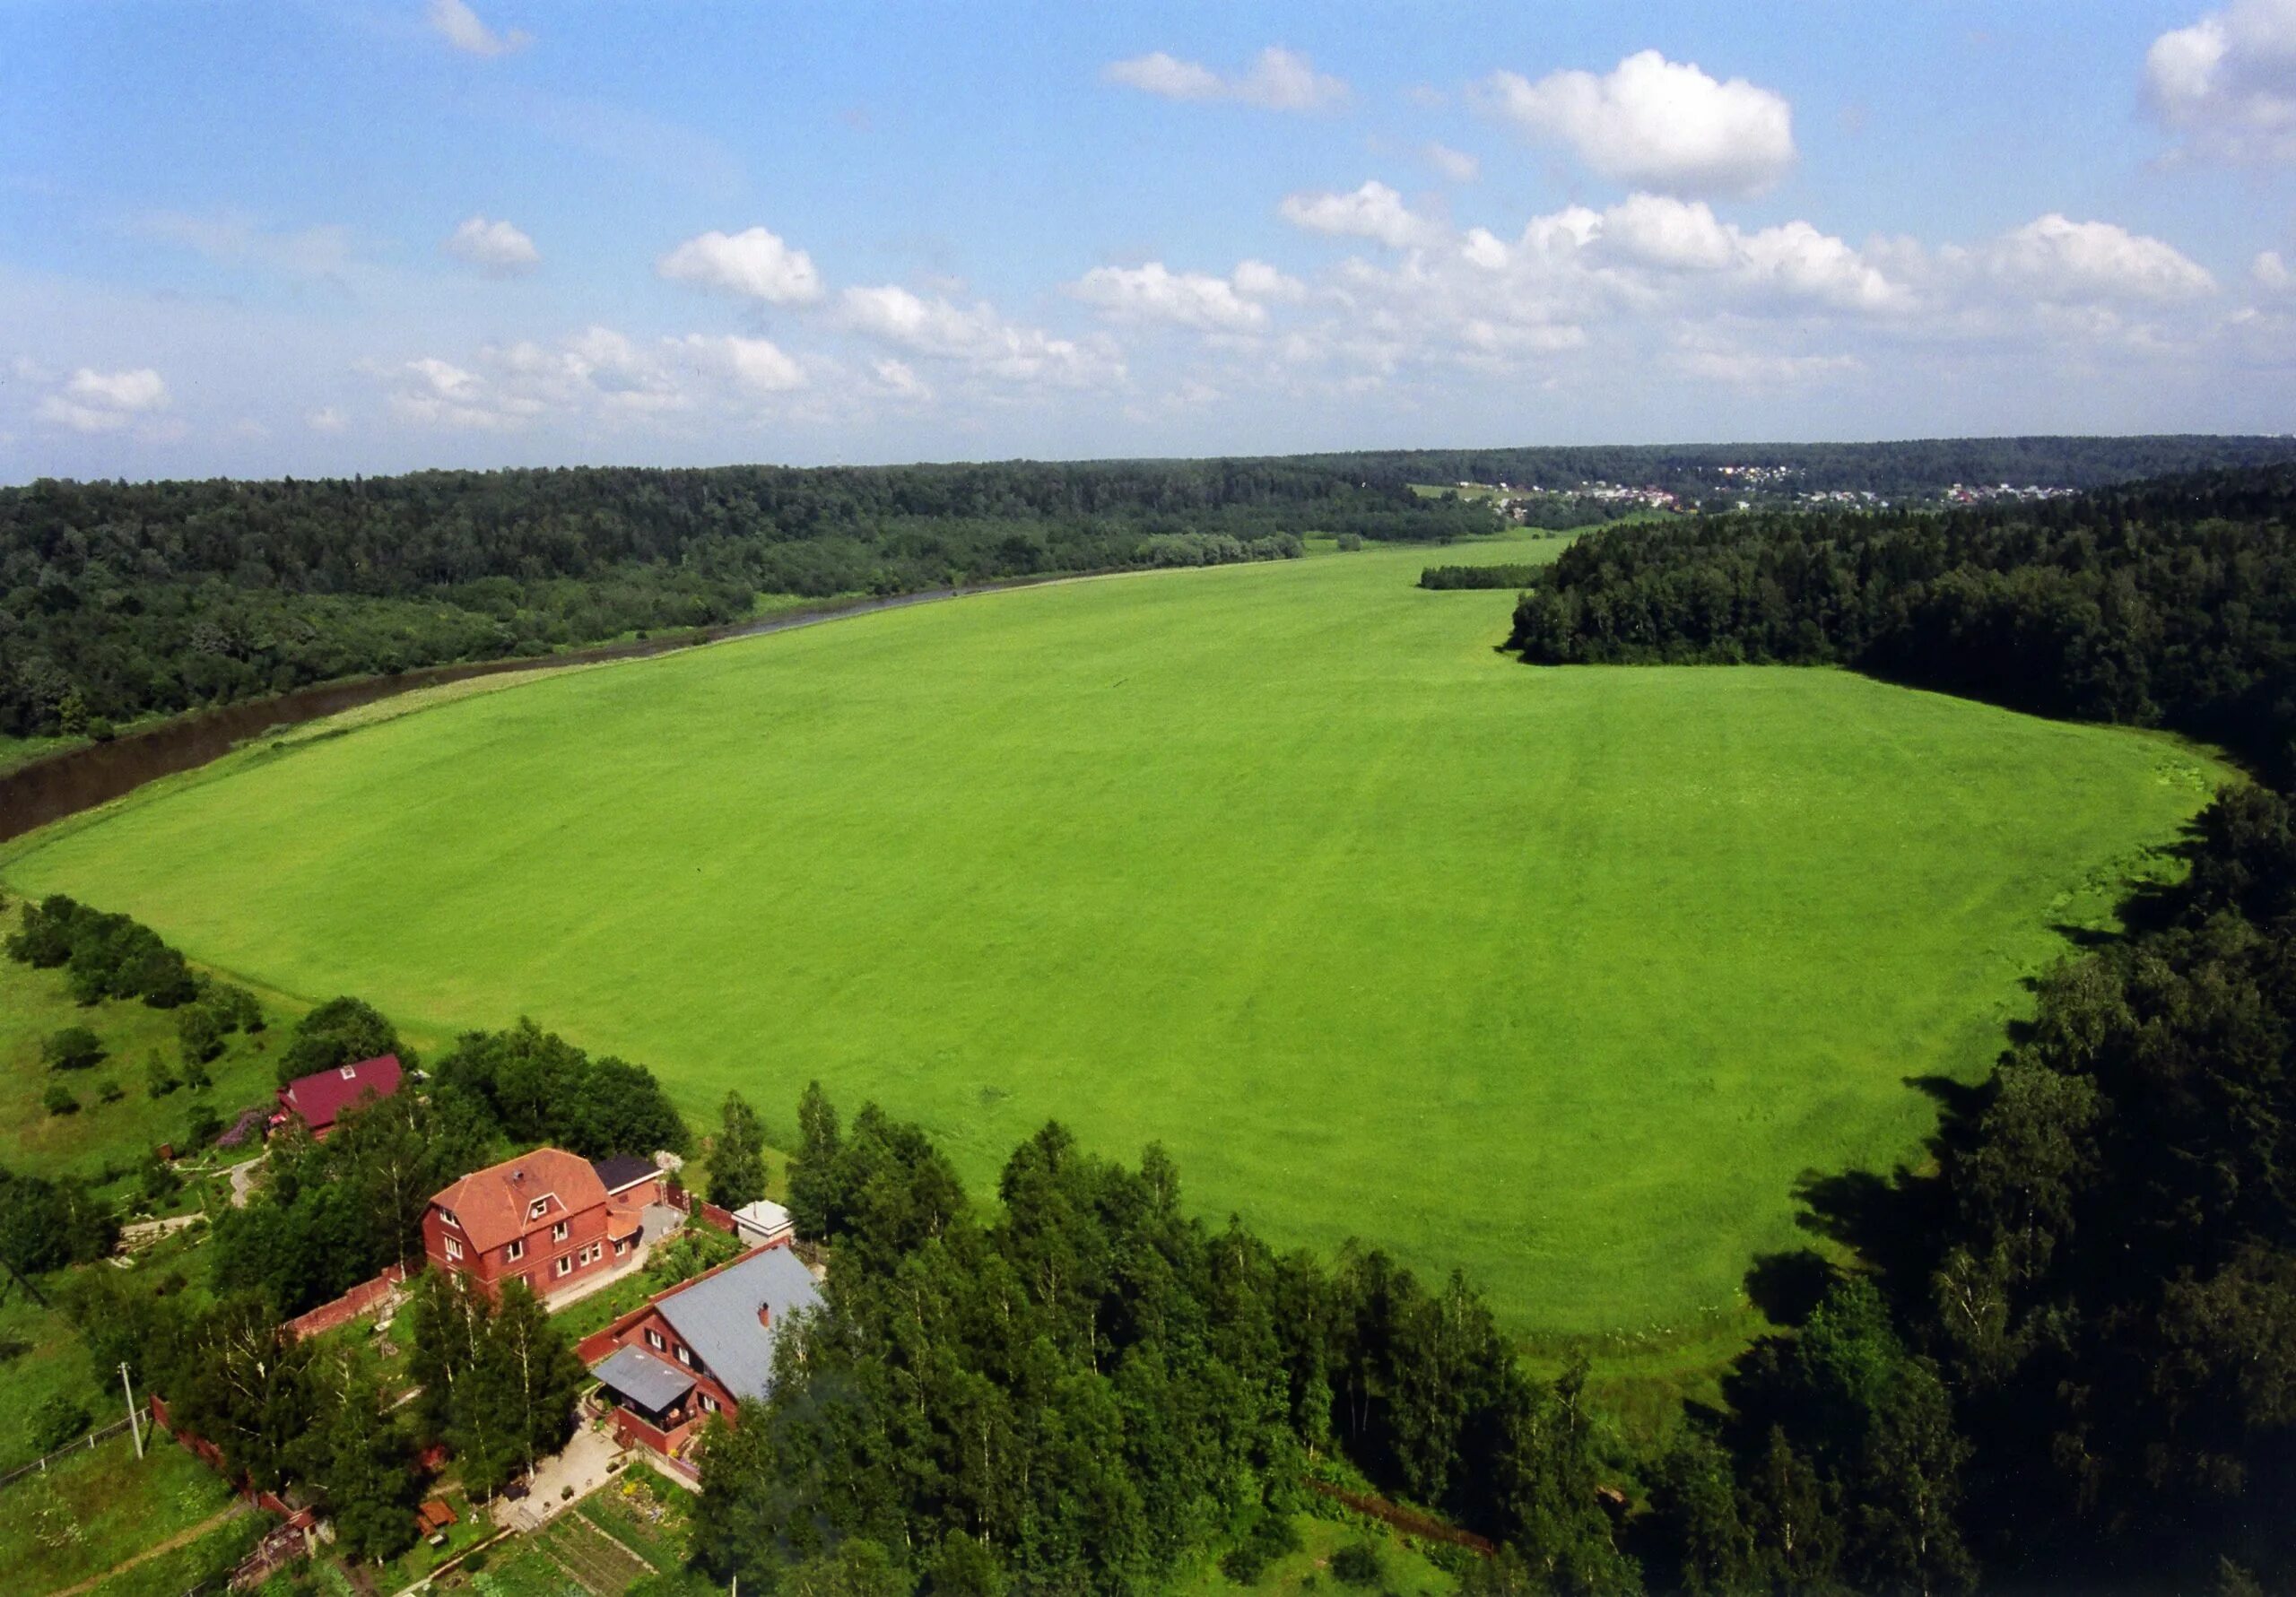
(268, 237)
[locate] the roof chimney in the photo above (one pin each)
(765, 1313)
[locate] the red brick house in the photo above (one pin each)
(542, 1217)
(320, 1098)
(702, 1348)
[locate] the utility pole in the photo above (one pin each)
(129, 1387)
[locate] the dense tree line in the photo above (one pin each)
(1479, 577)
(2073, 1363)
(2169, 603)
(119, 599)
(102, 956)
(1086, 1388)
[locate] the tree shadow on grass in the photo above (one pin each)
(1787, 1287)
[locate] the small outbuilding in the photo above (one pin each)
(763, 1223)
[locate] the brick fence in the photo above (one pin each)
(348, 1307)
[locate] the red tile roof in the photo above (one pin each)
(322, 1097)
(490, 1206)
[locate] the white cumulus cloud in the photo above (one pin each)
(2059, 259)
(495, 247)
(1156, 293)
(326, 419)
(459, 26)
(975, 336)
(1374, 211)
(757, 365)
(94, 401)
(2271, 271)
(1279, 80)
(1655, 124)
(2228, 82)
(753, 263)
(1457, 165)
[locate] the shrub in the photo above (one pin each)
(203, 1126)
(235, 1009)
(1349, 542)
(55, 1421)
(1358, 1564)
(73, 1048)
(111, 1092)
(1273, 1535)
(159, 1080)
(340, 1032)
(195, 1076)
(59, 1100)
(200, 1033)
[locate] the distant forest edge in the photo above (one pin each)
(121, 601)
(2169, 602)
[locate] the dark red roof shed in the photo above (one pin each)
(321, 1097)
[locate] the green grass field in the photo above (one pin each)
(1559, 975)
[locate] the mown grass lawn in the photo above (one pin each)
(1560, 977)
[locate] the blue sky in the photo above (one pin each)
(307, 239)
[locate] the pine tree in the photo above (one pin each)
(737, 1162)
(813, 1169)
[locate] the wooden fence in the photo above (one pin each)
(87, 1443)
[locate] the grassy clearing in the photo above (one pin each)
(103, 1137)
(42, 1357)
(1403, 1571)
(171, 1573)
(1560, 977)
(96, 1510)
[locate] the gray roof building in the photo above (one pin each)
(732, 1319)
(637, 1374)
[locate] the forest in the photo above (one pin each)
(1081, 1388)
(120, 600)
(2076, 1337)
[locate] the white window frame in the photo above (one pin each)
(709, 1402)
(515, 1251)
(454, 1249)
(565, 1265)
(685, 1355)
(653, 1338)
(558, 1231)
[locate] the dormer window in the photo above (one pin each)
(448, 1215)
(537, 1209)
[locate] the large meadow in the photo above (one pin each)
(1562, 977)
